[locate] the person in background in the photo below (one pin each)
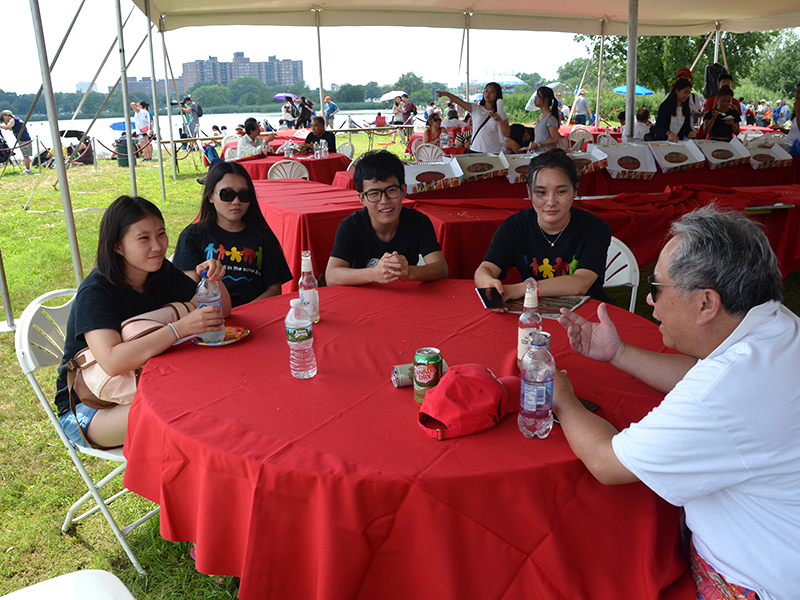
(761, 109)
(726, 79)
(397, 115)
(562, 247)
(546, 129)
(15, 124)
(452, 121)
(189, 108)
(742, 117)
(490, 122)
(318, 133)
(131, 277)
(519, 137)
(793, 137)
(85, 154)
(382, 242)
(304, 119)
(433, 129)
(406, 110)
(331, 108)
(582, 110)
(251, 143)
(464, 137)
(721, 123)
(288, 111)
(232, 229)
(621, 119)
(674, 121)
(380, 120)
(142, 122)
(768, 114)
(724, 444)
(282, 124)
(750, 113)
(780, 116)
(642, 126)
(696, 102)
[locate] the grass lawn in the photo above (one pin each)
(37, 479)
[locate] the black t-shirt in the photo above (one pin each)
(357, 243)
(722, 129)
(327, 136)
(519, 243)
(252, 261)
(101, 305)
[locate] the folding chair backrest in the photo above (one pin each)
(428, 153)
(579, 136)
(287, 169)
(354, 162)
(622, 269)
(347, 149)
(415, 144)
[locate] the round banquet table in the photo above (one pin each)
(319, 169)
(328, 489)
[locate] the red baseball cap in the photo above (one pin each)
(467, 400)
(684, 73)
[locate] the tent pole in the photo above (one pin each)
(600, 71)
(126, 99)
(716, 42)
(317, 11)
(154, 89)
(633, 41)
(724, 56)
(699, 54)
(52, 117)
(467, 15)
(169, 106)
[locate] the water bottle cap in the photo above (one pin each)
(204, 274)
(295, 303)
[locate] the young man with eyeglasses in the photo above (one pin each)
(382, 242)
(725, 442)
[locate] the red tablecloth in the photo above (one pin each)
(327, 488)
(319, 169)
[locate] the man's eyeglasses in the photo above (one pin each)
(393, 192)
(654, 286)
(227, 195)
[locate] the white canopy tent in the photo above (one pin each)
(609, 17)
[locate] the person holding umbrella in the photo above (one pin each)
(290, 111)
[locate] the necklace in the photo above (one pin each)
(544, 235)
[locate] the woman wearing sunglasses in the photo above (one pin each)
(434, 129)
(232, 229)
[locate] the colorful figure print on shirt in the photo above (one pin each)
(235, 255)
(548, 271)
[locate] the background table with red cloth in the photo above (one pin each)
(319, 169)
(328, 489)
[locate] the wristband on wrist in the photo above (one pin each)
(174, 333)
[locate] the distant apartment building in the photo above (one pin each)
(335, 87)
(82, 86)
(145, 84)
(212, 71)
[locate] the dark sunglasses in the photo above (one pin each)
(227, 195)
(438, 120)
(651, 282)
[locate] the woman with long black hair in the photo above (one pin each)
(674, 121)
(489, 121)
(546, 129)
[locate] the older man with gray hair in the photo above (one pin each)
(725, 441)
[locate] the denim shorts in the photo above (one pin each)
(70, 425)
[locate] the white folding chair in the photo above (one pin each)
(39, 341)
(354, 162)
(621, 269)
(428, 153)
(287, 169)
(750, 135)
(89, 584)
(579, 135)
(347, 149)
(605, 139)
(415, 144)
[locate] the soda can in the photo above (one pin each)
(427, 371)
(403, 375)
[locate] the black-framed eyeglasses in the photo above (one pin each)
(228, 194)
(393, 192)
(653, 284)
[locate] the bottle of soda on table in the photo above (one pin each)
(536, 393)
(530, 321)
(323, 148)
(208, 294)
(317, 150)
(308, 287)
(300, 337)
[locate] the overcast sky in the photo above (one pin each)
(350, 54)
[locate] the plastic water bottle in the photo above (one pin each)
(208, 294)
(300, 337)
(317, 150)
(444, 140)
(287, 150)
(323, 146)
(530, 321)
(308, 287)
(536, 394)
